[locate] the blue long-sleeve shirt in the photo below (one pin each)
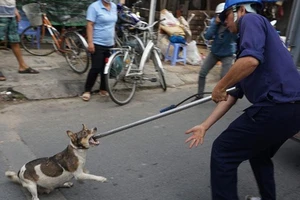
(276, 79)
(223, 41)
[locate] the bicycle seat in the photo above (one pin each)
(127, 25)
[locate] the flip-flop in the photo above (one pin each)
(86, 96)
(2, 77)
(29, 70)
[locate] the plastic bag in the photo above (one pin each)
(177, 39)
(186, 28)
(172, 30)
(170, 20)
(117, 67)
(163, 42)
(193, 56)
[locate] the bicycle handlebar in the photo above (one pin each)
(134, 4)
(140, 24)
(42, 6)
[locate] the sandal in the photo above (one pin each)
(2, 77)
(29, 70)
(103, 93)
(86, 96)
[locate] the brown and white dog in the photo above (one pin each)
(45, 174)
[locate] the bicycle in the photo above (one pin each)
(42, 39)
(123, 72)
(126, 34)
(206, 22)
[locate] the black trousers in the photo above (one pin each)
(256, 136)
(99, 58)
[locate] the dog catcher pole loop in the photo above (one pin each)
(160, 115)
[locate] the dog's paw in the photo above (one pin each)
(102, 179)
(68, 184)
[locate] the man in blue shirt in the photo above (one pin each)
(265, 74)
(222, 49)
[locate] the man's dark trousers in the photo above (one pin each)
(256, 136)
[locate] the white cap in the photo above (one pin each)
(220, 8)
(248, 8)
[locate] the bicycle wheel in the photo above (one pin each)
(120, 87)
(159, 69)
(38, 41)
(75, 51)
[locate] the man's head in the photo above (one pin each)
(234, 9)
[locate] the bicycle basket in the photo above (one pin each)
(116, 67)
(134, 44)
(33, 13)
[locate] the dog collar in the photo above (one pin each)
(79, 147)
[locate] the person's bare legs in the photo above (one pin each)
(17, 52)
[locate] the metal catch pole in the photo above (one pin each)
(160, 115)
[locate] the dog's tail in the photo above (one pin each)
(13, 176)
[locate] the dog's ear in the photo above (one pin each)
(71, 135)
(84, 127)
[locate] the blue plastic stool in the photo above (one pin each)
(22, 25)
(175, 57)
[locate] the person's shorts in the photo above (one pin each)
(9, 30)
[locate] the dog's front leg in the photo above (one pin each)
(85, 176)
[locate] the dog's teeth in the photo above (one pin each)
(93, 141)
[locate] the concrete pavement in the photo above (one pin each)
(57, 80)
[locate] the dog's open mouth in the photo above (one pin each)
(94, 141)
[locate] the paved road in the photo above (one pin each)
(147, 162)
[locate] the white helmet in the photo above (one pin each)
(220, 8)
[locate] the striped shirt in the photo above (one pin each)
(7, 8)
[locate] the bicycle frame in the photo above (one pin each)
(42, 39)
(149, 48)
(48, 25)
(59, 38)
(122, 79)
(146, 53)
